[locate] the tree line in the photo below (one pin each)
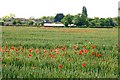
(80, 20)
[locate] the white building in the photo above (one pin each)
(56, 25)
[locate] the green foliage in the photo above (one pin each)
(67, 20)
(84, 11)
(30, 22)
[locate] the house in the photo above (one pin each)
(53, 25)
(8, 23)
(57, 25)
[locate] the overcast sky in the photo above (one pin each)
(38, 8)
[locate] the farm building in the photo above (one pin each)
(53, 25)
(8, 23)
(56, 25)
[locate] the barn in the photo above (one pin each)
(56, 25)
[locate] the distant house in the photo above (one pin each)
(56, 25)
(8, 23)
(53, 25)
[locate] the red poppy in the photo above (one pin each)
(80, 52)
(86, 51)
(68, 59)
(84, 64)
(30, 50)
(84, 46)
(93, 53)
(23, 50)
(63, 48)
(75, 47)
(93, 47)
(45, 51)
(16, 50)
(37, 51)
(52, 56)
(2, 50)
(56, 50)
(6, 51)
(60, 66)
(116, 44)
(29, 55)
(98, 55)
(12, 48)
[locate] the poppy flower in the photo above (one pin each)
(12, 48)
(52, 56)
(37, 51)
(63, 48)
(84, 64)
(2, 50)
(60, 66)
(29, 55)
(80, 52)
(75, 47)
(84, 46)
(30, 50)
(98, 55)
(86, 51)
(93, 47)
(116, 44)
(45, 51)
(6, 51)
(68, 59)
(17, 50)
(93, 53)
(56, 50)
(23, 50)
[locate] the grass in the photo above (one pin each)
(50, 52)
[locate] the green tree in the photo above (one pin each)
(67, 20)
(80, 20)
(84, 19)
(77, 20)
(30, 22)
(84, 11)
(94, 22)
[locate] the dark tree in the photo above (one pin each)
(58, 17)
(84, 11)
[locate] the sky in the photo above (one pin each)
(39, 8)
